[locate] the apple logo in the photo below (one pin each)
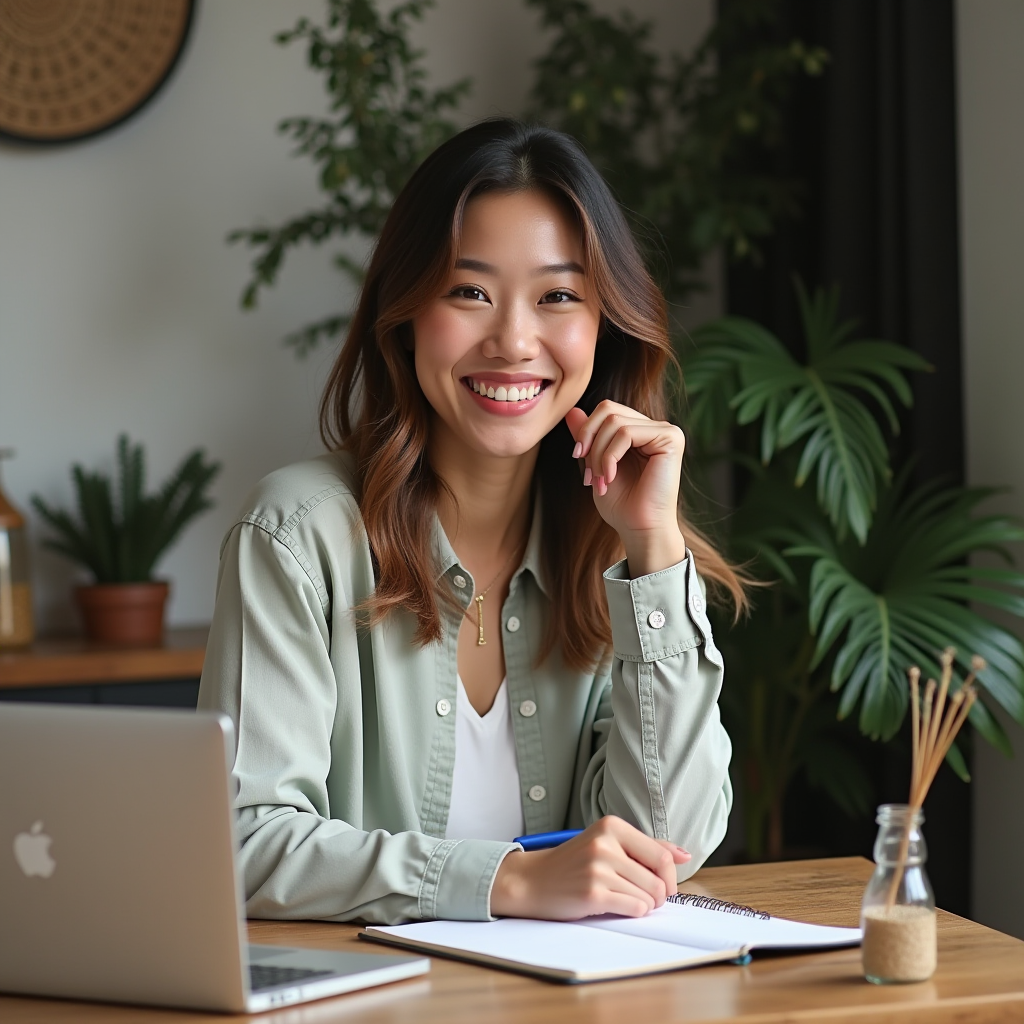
(32, 852)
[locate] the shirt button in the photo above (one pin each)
(698, 605)
(512, 625)
(538, 793)
(656, 619)
(459, 581)
(443, 707)
(528, 709)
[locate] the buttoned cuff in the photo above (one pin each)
(459, 877)
(656, 616)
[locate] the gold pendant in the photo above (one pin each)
(480, 641)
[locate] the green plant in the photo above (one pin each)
(672, 140)
(869, 576)
(599, 81)
(122, 542)
(385, 122)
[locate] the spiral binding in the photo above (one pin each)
(710, 903)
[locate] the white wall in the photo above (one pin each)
(990, 39)
(119, 297)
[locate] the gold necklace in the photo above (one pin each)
(479, 598)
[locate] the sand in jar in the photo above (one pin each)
(16, 629)
(899, 943)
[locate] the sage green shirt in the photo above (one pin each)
(346, 735)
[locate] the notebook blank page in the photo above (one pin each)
(564, 947)
(718, 930)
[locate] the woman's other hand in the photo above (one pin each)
(610, 868)
(633, 464)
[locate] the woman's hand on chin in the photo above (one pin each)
(633, 464)
(611, 868)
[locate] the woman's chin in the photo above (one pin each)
(516, 447)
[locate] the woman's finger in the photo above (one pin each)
(650, 853)
(639, 876)
(625, 436)
(575, 419)
(610, 426)
(619, 434)
(624, 905)
(679, 855)
(584, 431)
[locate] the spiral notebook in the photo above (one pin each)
(686, 931)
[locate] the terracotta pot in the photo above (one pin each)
(124, 614)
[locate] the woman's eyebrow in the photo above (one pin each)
(478, 265)
(570, 267)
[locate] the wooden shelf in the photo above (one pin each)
(69, 661)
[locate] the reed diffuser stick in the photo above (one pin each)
(934, 727)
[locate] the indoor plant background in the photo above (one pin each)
(865, 574)
(119, 536)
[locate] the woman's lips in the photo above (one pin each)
(503, 404)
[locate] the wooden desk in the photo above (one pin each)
(980, 977)
(74, 661)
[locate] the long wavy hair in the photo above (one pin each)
(374, 408)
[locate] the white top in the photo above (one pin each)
(486, 801)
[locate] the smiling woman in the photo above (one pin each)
(498, 444)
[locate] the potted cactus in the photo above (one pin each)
(120, 541)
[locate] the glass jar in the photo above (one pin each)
(898, 911)
(16, 629)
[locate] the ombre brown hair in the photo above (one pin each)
(374, 408)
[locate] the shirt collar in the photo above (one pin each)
(445, 558)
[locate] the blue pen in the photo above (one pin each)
(545, 840)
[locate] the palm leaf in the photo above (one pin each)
(739, 372)
(907, 595)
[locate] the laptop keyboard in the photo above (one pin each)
(263, 976)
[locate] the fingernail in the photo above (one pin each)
(578, 450)
(602, 487)
(685, 853)
(587, 477)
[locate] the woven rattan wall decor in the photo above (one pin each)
(72, 68)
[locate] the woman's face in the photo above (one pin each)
(508, 348)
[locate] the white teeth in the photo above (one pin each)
(514, 393)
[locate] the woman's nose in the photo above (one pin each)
(514, 337)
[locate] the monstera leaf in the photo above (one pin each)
(739, 370)
(907, 594)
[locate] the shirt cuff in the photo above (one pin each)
(459, 877)
(656, 616)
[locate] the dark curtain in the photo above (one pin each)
(873, 144)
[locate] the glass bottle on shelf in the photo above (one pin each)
(898, 911)
(16, 629)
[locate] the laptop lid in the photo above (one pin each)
(117, 874)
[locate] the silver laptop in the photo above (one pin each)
(117, 870)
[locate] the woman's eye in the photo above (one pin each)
(560, 295)
(468, 291)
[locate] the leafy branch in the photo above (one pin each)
(672, 142)
(385, 121)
